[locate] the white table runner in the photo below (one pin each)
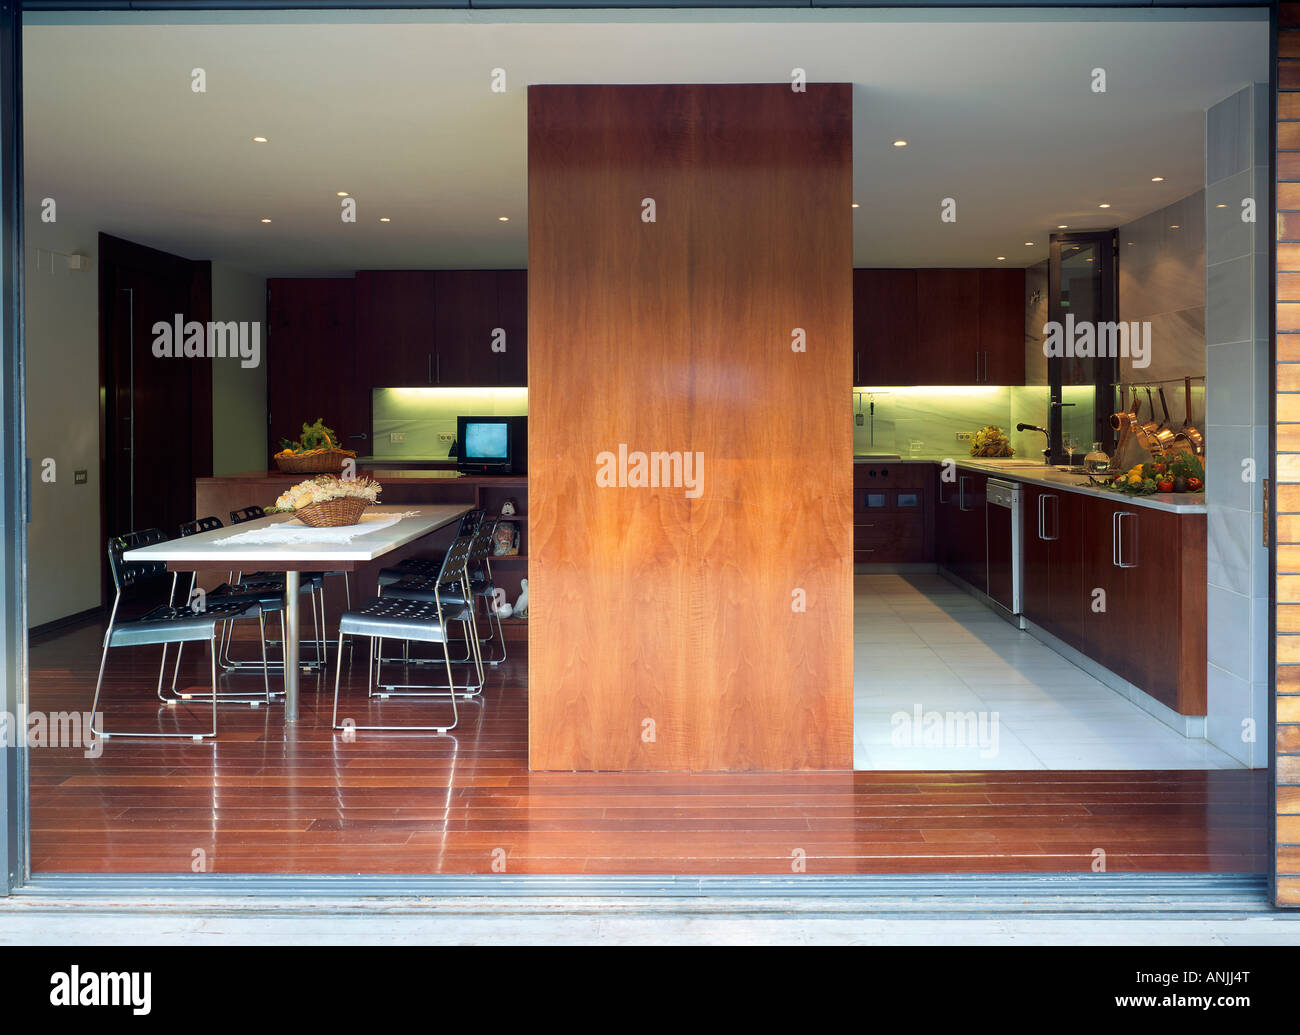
(294, 531)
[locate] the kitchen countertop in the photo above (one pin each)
(1036, 473)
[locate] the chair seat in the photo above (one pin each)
(269, 581)
(268, 598)
(401, 618)
(421, 587)
(165, 624)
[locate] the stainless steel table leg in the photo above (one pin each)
(291, 596)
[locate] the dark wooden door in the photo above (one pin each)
(465, 317)
(1002, 326)
(947, 327)
(156, 411)
(512, 318)
(1104, 635)
(395, 326)
(884, 329)
(313, 367)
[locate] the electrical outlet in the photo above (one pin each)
(396, 436)
(446, 436)
(963, 436)
(79, 477)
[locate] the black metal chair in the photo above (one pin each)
(398, 618)
(481, 589)
(163, 625)
(269, 597)
(431, 564)
(267, 582)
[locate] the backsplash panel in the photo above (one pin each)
(421, 415)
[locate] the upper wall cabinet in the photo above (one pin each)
(395, 327)
(452, 328)
(939, 327)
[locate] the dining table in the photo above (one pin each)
(282, 543)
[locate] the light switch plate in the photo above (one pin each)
(80, 477)
(396, 436)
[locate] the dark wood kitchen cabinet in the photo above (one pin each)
(395, 327)
(437, 327)
(1052, 590)
(893, 513)
(961, 543)
(939, 327)
(884, 327)
(311, 361)
(1151, 566)
(1002, 326)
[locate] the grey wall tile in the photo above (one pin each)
(1227, 236)
(1228, 128)
(1223, 484)
(1229, 307)
(1228, 628)
(1230, 384)
(1227, 562)
(1228, 701)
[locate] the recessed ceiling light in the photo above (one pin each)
(265, 220)
(384, 219)
(1087, 260)
(1061, 226)
(856, 205)
(1174, 226)
(1220, 206)
(259, 140)
(1029, 244)
(1104, 204)
(503, 219)
(1157, 179)
(342, 193)
(900, 143)
(1002, 258)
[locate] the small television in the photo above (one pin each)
(492, 445)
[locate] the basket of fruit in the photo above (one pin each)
(327, 501)
(316, 452)
(992, 441)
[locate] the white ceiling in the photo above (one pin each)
(998, 111)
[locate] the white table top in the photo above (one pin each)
(211, 548)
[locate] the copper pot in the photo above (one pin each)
(1189, 433)
(1155, 438)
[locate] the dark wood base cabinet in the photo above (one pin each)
(893, 513)
(1124, 585)
(961, 545)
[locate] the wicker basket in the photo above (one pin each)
(328, 461)
(333, 513)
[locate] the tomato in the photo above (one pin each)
(1164, 485)
(1194, 485)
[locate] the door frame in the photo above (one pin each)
(14, 491)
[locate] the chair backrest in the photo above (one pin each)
(469, 522)
(207, 524)
(128, 573)
(238, 517)
(481, 549)
(454, 561)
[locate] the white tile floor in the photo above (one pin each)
(941, 682)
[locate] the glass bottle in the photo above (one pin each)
(1097, 461)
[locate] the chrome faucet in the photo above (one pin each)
(1047, 453)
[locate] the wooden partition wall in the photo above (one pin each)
(690, 294)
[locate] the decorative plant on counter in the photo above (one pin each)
(328, 501)
(317, 450)
(991, 440)
(1164, 473)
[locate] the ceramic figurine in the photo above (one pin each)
(504, 540)
(510, 506)
(521, 605)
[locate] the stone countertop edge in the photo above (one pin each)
(1182, 503)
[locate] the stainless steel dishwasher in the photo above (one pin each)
(1002, 513)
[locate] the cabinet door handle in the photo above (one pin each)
(1042, 498)
(961, 492)
(857, 367)
(986, 367)
(941, 484)
(429, 376)
(1056, 517)
(1117, 540)
(977, 366)
(437, 368)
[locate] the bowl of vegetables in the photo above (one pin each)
(316, 452)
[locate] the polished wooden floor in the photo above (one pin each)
(266, 801)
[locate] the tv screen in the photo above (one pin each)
(486, 440)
